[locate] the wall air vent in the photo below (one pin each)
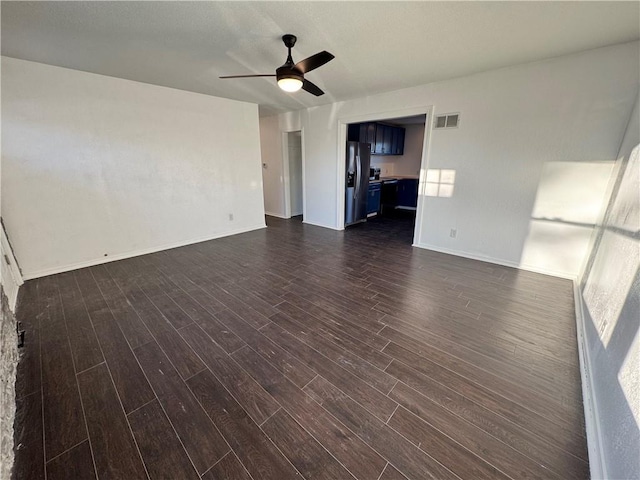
(450, 120)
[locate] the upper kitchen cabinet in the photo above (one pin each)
(384, 139)
(362, 132)
(397, 142)
(378, 148)
(368, 133)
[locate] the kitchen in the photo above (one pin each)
(391, 151)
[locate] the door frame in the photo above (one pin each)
(424, 162)
(286, 178)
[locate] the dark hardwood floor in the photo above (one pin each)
(300, 352)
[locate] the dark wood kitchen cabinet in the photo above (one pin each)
(368, 132)
(373, 199)
(362, 132)
(387, 147)
(378, 148)
(397, 142)
(384, 139)
(407, 193)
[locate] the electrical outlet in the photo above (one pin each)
(231, 217)
(453, 233)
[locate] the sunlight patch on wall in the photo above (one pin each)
(572, 191)
(569, 201)
(606, 297)
(440, 182)
(616, 273)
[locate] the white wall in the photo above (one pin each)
(610, 296)
(549, 129)
(409, 162)
(95, 166)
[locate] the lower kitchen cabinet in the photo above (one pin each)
(407, 193)
(373, 199)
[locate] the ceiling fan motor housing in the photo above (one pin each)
(289, 40)
(289, 71)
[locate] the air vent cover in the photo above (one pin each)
(450, 120)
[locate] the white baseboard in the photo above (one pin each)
(13, 299)
(10, 285)
(12, 263)
(597, 464)
(136, 253)
(320, 225)
(271, 214)
(497, 261)
(11, 275)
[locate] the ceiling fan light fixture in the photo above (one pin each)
(288, 79)
(290, 84)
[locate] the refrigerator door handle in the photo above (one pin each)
(356, 191)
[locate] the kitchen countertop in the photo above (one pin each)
(394, 177)
(400, 177)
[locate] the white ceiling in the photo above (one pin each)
(379, 46)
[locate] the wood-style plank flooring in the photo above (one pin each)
(300, 352)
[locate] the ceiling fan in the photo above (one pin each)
(290, 76)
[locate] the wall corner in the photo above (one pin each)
(597, 464)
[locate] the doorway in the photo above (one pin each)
(293, 175)
(393, 151)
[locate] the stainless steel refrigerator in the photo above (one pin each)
(356, 182)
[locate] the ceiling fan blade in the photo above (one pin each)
(312, 88)
(249, 76)
(314, 61)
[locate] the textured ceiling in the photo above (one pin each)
(379, 46)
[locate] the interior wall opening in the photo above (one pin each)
(382, 175)
(292, 175)
(295, 172)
